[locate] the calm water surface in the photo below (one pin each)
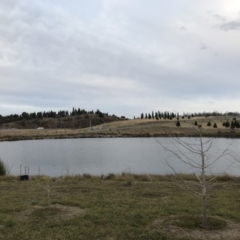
(99, 156)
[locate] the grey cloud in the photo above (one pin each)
(203, 46)
(219, 18)
(183, 28)
(57, 59)
(232, 25)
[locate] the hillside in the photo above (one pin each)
(70, 122)
(78, 127)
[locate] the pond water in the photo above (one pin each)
(100, 156)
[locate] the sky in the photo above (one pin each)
(124, 57)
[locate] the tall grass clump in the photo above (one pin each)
(3, 168)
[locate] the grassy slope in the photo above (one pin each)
(130, 128)
(119, 207)
(71, 122)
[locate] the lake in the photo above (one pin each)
(100, 156)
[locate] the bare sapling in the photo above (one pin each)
(196, 156)
(47, 186)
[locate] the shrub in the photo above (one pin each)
(226, 124)
(215, 125)
(3, 168)
(178, 124)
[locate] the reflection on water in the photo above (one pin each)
(102, 156)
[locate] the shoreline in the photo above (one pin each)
(146, 135)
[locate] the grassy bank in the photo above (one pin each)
(130, 128)
(114, 207)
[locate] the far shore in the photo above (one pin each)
(130, 129)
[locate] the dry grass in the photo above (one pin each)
(130, 128)
(113, 207)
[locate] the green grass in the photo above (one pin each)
(109, 207)
(194, 222)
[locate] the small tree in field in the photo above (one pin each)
(178, 123)
(195, 155)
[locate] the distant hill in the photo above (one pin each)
(72, 122)
(50, 120)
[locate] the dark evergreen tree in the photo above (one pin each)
(226, 124)
(178, 123)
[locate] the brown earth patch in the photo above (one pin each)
(53, 212)
(230, 232)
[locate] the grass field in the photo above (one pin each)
(115, 207)
(130, 128)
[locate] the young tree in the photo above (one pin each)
(197, 156)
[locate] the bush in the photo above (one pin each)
(226, 124)
(3, 168)
(178, 124)
(215, 125)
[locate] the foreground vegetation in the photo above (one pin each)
(115, 207)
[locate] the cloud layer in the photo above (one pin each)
(123, 57)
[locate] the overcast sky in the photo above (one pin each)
(123, 57)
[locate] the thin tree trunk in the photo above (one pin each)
(204, 217)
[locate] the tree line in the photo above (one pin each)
(170, 115)
(48, 114)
